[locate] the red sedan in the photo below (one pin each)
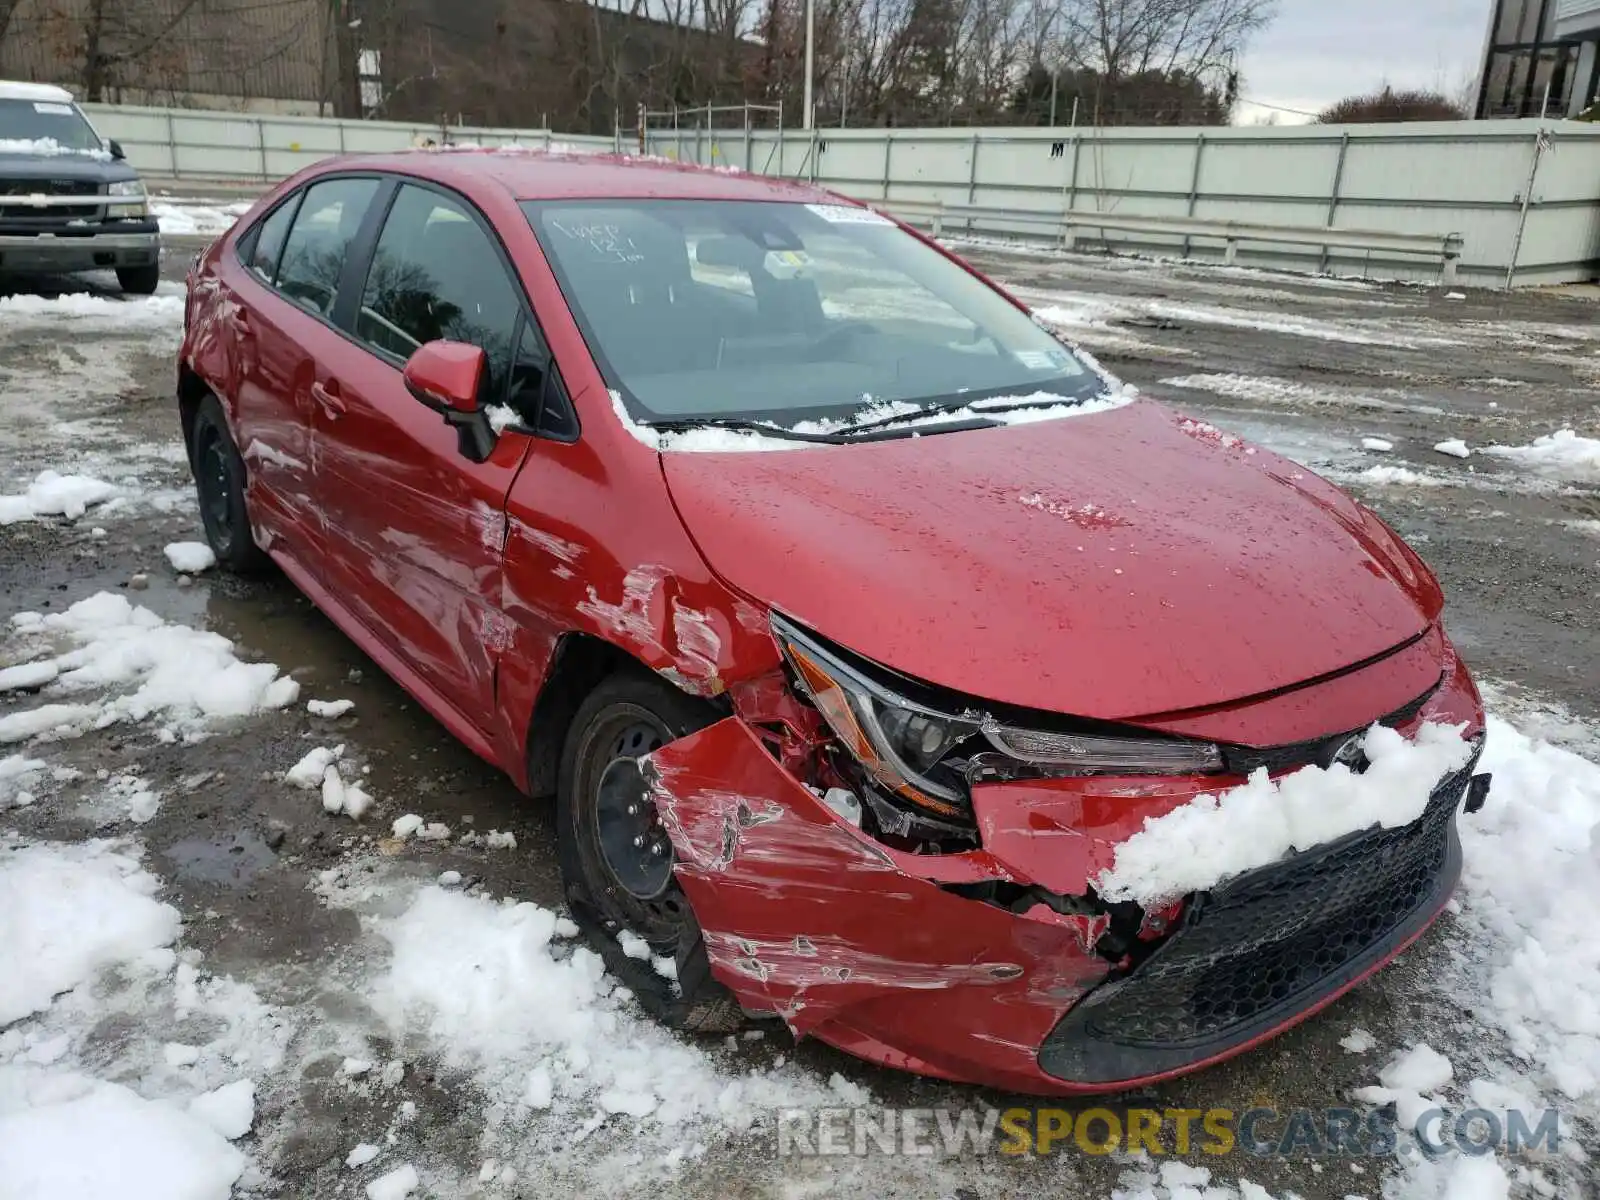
(853, 621)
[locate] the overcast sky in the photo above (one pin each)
(1318, 51)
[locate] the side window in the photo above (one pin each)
(435, 274)
(537, 393)
(315, 250)
(265, 243)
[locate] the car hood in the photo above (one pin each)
(77, 167)
(1120, 564)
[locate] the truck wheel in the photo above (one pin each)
(616, 859)
(139, 281)
(219, 476)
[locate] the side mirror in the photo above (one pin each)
(445, 377)
(116, 149)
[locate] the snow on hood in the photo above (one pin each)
(1216, 837)
(1123, 565)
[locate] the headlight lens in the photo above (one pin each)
(896, 740)
(1086, 754)
(902, 743)
(133, 194)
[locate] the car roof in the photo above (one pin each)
(535, 174)
(17, 90)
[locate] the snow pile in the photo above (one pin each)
(18, 773)
(319, 770)
(84, 1140)
(66, 913)
(496, 987)
(1564, 454)
(190, 557)
(1532, 880)
(1454, 447)
(1410, 1082)
(1399, 475)
(69, 913)
(230, 1109)
(341, 797)
(329, 708)
(125, 314)
(1215, 837)
(309, 771)
(189, 217)
(1180, 1181)
(55, 495)
(189, 676)
(1381, 445)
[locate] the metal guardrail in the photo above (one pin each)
(1446, 248)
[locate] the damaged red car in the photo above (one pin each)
(852, 619)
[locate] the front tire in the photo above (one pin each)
(616, 859)
(139, 281)
(219, 477)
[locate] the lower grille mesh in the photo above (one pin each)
(1262, 947)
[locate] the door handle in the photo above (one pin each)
(329, 399)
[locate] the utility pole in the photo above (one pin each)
(811, 59)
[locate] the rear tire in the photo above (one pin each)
(139, 281)
(219, 476)
(616, 859)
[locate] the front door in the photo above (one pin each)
(415, 530)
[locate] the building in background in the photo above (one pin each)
(1540, 58)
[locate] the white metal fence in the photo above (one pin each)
(179, 143)
(1523, 196)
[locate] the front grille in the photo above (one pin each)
(1263, 947)
(33, 217)
(49, 187)
(1318, 752)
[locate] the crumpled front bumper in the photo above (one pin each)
(870, 949)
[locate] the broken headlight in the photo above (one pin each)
(928, 756)
(899, 743)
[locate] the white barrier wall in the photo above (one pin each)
(179, 143)
(1471, 178)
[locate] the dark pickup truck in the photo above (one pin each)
(68, 200)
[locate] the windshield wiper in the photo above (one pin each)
(964, 409)
(986, 409)
(737, 425)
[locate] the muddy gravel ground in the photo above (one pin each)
(1307, 368)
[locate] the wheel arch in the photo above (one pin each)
(579, 663)
(192, 389)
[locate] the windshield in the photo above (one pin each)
(34, 121)
(784, 312)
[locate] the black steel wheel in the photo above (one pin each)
(616, 858)
(219, 478)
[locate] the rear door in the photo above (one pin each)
(415, 530)
(291, 266)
